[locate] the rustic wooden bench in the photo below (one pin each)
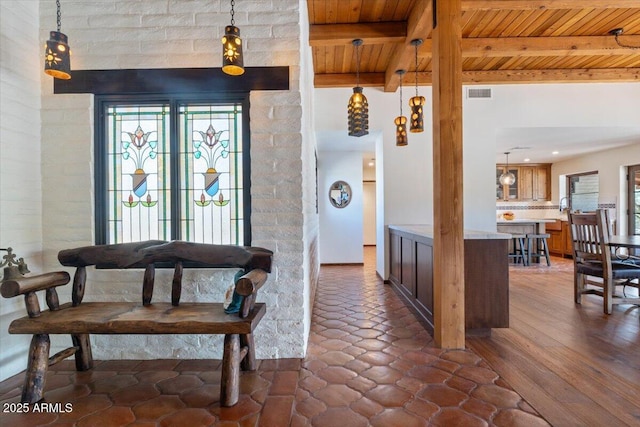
(82, 319)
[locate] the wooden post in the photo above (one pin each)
(248, 363)
(176, 285)
(448, 277)
(84, 358)
(147, 284)
(230, 381)
(36, 369)
(79, 282)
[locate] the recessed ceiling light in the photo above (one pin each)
(555, 152)
(527, 160)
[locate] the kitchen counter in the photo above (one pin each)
(486, 275)
(427, 231)
(524, 221)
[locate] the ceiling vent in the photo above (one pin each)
(474, 93)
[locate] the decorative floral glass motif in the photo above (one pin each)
(213, 173)
(205, 190)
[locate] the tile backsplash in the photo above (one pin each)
(544, 210)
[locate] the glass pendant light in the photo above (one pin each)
(417, 102)
(358, 108)
(232, 61)
(57, 55)
(507, 178)
(401, 121)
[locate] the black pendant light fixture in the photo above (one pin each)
(417, 102)
(401, 121)
(358, 108)
(57, 55)
(232, 61)
(507, 178)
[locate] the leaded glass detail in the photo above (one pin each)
(138, 168)
(211, 173)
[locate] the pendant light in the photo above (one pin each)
(617, 32)
(57, 55)
(401, 121)
(232, 61)
(507, 178)
(358, 108)
(417, 102)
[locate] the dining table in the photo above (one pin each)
(627, 242)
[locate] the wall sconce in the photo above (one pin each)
(401, 121)
(417, 102)
(358, 108)
(232, 60)
(57, 54)
(507, 178)
(616, 32)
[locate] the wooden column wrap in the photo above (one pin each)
(79, 283)
(448, 277)
(176, 285)
(32, 303)
(36, 368)
(147, 284)
(51, 297)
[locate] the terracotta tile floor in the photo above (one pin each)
(369, 362)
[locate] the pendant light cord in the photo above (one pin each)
(233, 3)
(59, 15)
(357, 66)
(400, 95)
(416, 49)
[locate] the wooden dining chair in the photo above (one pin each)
(594, 270)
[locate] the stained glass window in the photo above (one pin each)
(173, 170)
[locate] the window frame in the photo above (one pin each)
(102, 102)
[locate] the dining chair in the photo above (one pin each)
(594, 270)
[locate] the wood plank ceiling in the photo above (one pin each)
(504, 41)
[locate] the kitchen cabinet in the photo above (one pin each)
(533, 182)
(560, 239)
(486, 276)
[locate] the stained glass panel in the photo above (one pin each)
(211, 173)
(138, 169)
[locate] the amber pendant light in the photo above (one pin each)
(401, 121)
(232, 61)
(57, 55)
(417, 102)
(358, 108)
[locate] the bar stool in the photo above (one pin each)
(537, 247)
(519, 252)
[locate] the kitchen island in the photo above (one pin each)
(486, 275)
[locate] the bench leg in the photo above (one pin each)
(36, 369)
(84, 358)
(248, 363)
(230, 381)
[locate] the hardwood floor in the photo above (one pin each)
(574, 364)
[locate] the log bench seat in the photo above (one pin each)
(236, 322)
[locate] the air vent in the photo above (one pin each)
(473, 93)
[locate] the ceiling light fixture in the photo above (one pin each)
(401, 121)
(232, 60)
(616, 32)
(358, 108)
(507, 178)
(57, 55)
(417, 102)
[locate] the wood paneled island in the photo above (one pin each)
(486, 274)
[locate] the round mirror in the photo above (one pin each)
(340, 194)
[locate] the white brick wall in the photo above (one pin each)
(20, 179)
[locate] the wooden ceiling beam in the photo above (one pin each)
(370, 33)
(544, 46)
(484, 5)
(494, 77)
(419, 25)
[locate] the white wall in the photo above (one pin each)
(341, 229)
(611, 167)
(406, 172)
(156, 34)
(20, 172)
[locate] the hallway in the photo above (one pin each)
(369, 362)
